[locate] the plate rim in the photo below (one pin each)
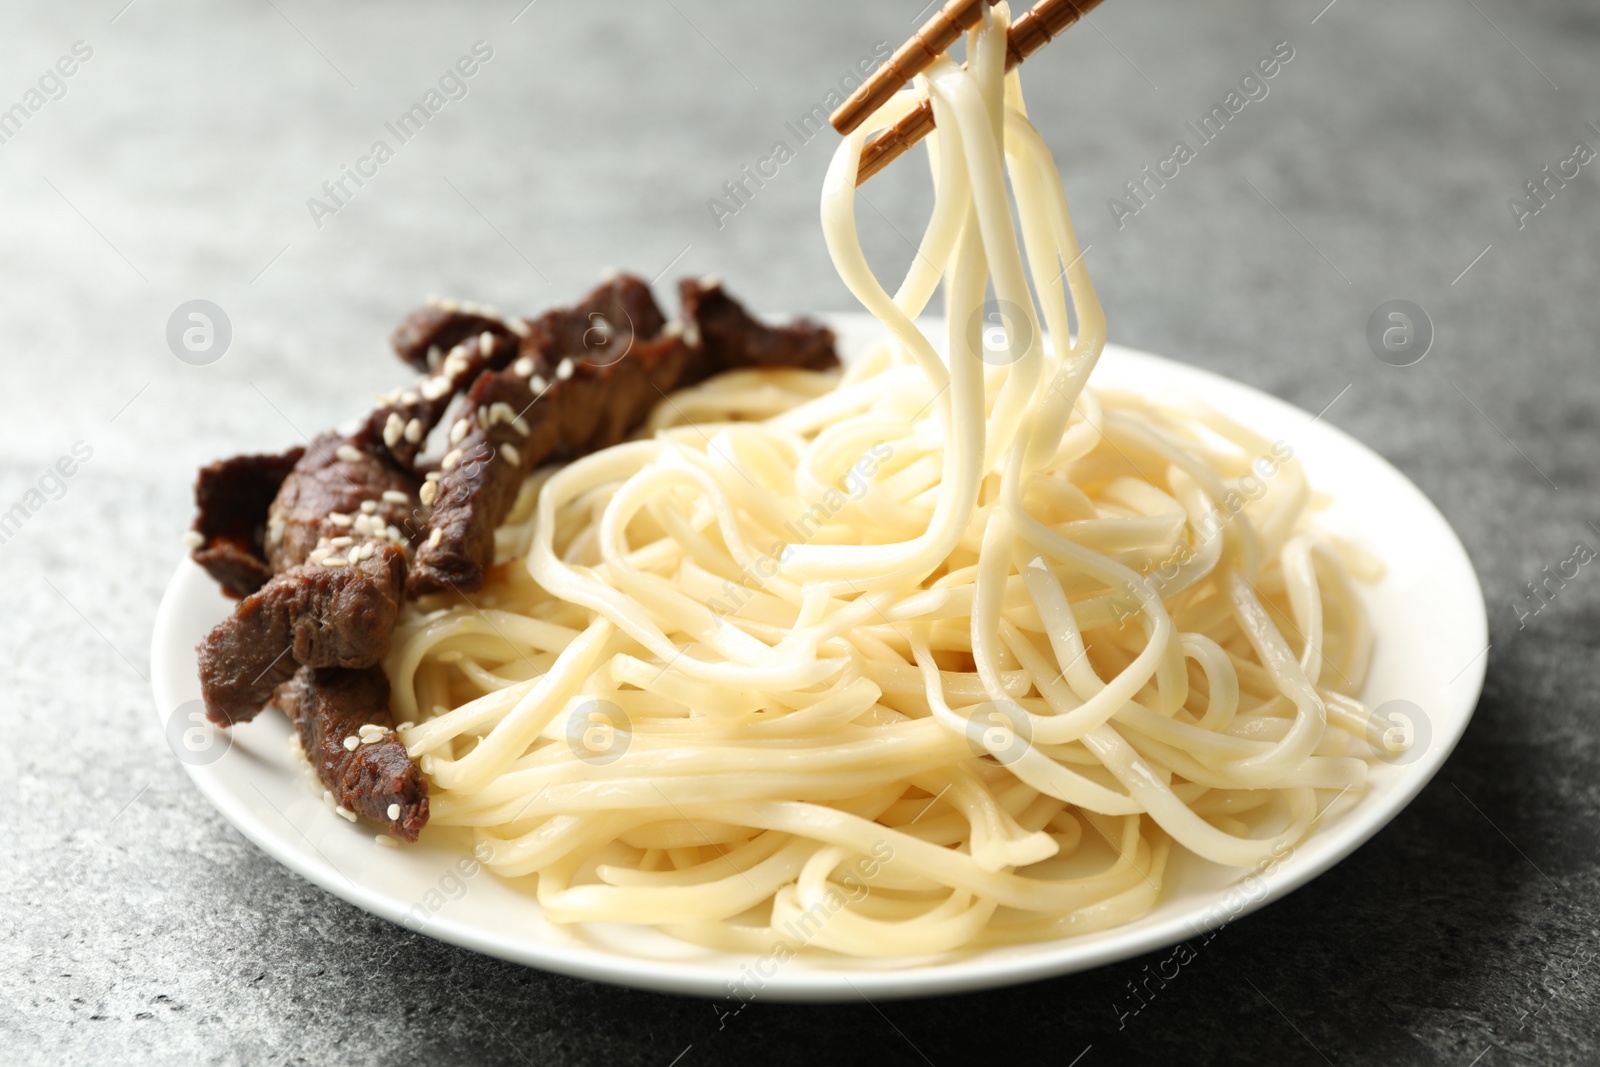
(966, 973)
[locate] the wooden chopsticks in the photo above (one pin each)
(1035, 29)
(910, 59)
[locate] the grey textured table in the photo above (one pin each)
(176, 162)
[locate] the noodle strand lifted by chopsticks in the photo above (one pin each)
(947, 652)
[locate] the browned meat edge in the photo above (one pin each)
(232, 497)
(403, 419)
(342, 487)
(730, 337)
(425, 335)
(328, 708)
(310, 615)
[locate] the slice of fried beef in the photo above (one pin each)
(425, 335)
(530, 415)
(730, 337)
(406, 417)
(602, 325)
(315, 615)
(587, 375)
(232, 497)
(585, 383)
(335, 483)
(376, 778)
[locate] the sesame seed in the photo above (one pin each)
(523, 367)
(335, 561)
(434, 355)
(432, 476)
(672, 329)
(368, 507)
(485, 343)
(368, 549)
(341, 542)
(192, 539)
(455, 364)
(371, 739)
(451, 459)
(386, 841)
(345, 813)
(319, 555)
(520, 425)
(394, 496)
(405, 726)
(327, 797)
(538, 384)
(351, 743)
(459, 430)
(428, 492)
(414, 431)
(509, 454)
(564, 369)
(369, 728)
(518, 327)
(348, 453)
(435, 537)
(434, 388)
(394, 535)
(483, 417)
(448, 304)
(410, 397)
(394, 811)
(500, 412)
(339, 518)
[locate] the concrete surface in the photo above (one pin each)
(176, 163)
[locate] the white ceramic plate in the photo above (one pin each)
(1430, 651)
